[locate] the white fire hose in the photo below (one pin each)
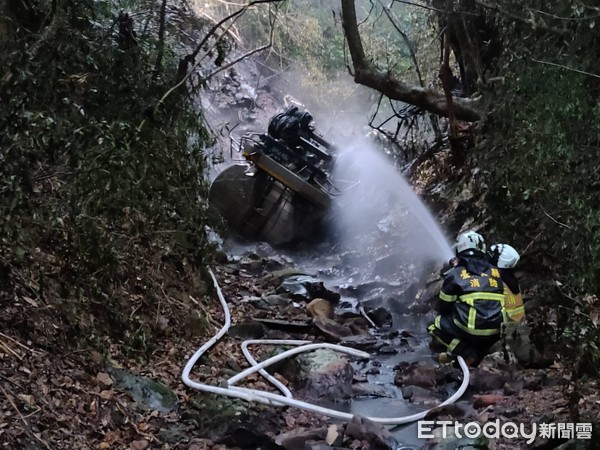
(255, 395)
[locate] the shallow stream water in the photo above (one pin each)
(326, 266)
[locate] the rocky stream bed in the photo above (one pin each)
(378, 301)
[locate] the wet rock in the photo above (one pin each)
(335, 435)
(416, 394)
(534, 381)
(251, 263)
(281, 275)
(277, 334)
(275, 263)
(296, 440)
(380, 316)
(324, 374)
(373, 299)
(228, 421)
(248, 330)
(364, 290)
(297, 285)
(375, 434)
(332, 330)
(357, 325)
(145, 391)
(373, 371)
(320, 309)
(296, 326)
(402, 345)
(498, 361)
(482, 401)
(483, 380)
(346, 304)
(370, 390)
(307, 287)
(274, 301)
(415, 374)
(455, 411)
(516, 338)
(359, 378)
(317, 445)
(363, 342)
(263, 249)
(388, 264)
(387, 350)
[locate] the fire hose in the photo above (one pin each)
(286, 398)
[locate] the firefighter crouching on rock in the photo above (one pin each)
(506, 258)
(471, 299)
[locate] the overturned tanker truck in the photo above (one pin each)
(283, 192)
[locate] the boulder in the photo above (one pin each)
(416, 374)
(251, 263)
(416, 394)
(307, 287)
(274, 301)
(380, 316)
(323, 374)
(455, 411)
(319, 308)
(370, 390)
(297, 439)
(483, 380)
(375, 434)
(516, 338)
(357, 325)
(362, 342)
(332, 330)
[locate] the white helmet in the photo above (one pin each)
(469, 241)
(504, 256)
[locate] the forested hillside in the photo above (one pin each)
(105, 219)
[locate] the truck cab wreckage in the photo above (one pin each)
(284, 192)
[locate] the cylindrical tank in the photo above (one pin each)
(257, 207)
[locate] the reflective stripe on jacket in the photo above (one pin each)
(513, 305)
(477, 298)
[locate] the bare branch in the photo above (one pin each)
(216, 26)
(566, 67)
(184, 78)
(445, 68)
(365, 74)
(392, 18)
(528, 21)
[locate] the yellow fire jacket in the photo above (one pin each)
(513, 305)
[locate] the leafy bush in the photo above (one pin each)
(541, 155)
(99, 191)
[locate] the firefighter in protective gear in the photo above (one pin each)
(506, 258)
(471, 299)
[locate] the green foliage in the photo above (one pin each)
(541, 154)
(108, 188)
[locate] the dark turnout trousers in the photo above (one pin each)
(458, 342)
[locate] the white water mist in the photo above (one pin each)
(384, 205)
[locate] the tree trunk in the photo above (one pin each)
(393, 88)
